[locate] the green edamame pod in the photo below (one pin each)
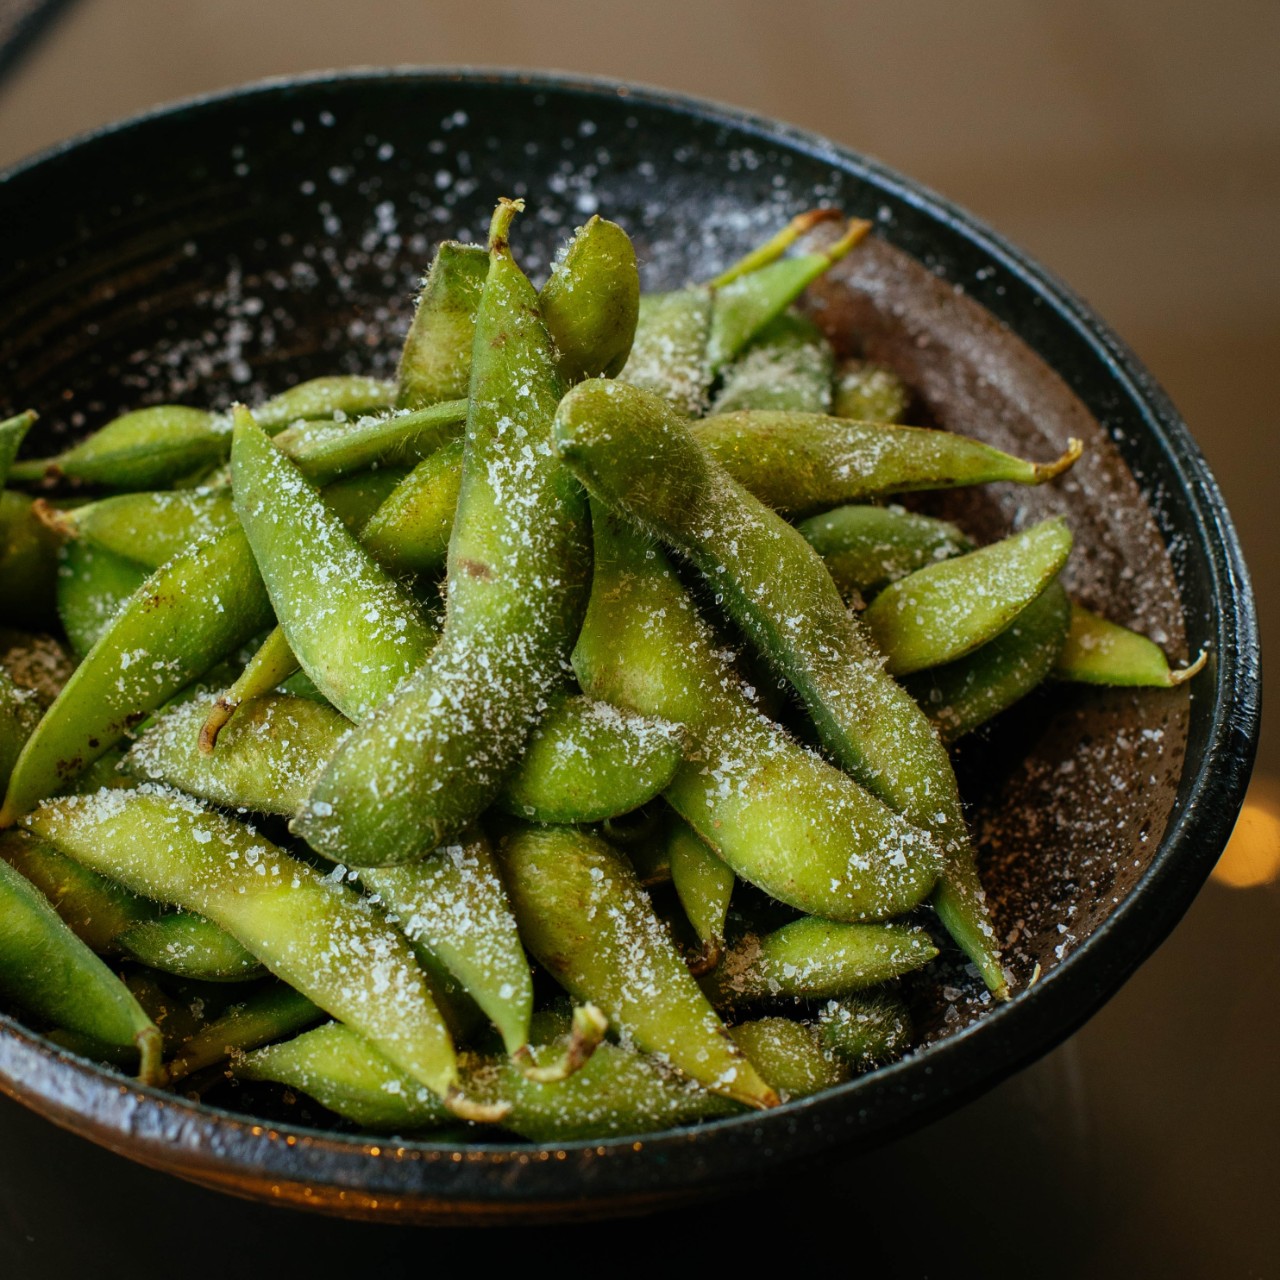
(145, 449)
(150, 528)
(866, 1029)
(591, 301)
(965, 694)
(626, 963)
(790, 1055)
(519, 562)
(323, 451)
(28, 562)
(866, 547)
(271, 1014)
(339, 396)
(93, 585)
(187, 615)
(49, 972)
(802, 462)
(812, 959)
(618, 1092)
(773, 248)
(788, 366)
(589, 761)
(453, 902)
(435, 363)
(311, 932)
(669, 354)
(267, 759)
(189, 946)
(946, 610)
(782, 817)
(409, 533)
(110, 919)
(1100, 652)
(747, 303)
(357, 645)
(869, 392)
(632, 451)
(704, 886)
(12, 432)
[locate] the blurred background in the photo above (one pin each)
(1133, 147)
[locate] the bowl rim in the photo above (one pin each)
(1037, 1019)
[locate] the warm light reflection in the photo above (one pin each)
(1252, 857)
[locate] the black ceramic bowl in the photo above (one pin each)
(230, 246)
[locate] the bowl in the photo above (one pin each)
(228, 246)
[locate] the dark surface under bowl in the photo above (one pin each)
(230, 247)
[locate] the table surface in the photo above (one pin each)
(1131, 150)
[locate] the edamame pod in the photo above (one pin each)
(812, 959)
(632, 451)
(747, 303)
(704, 886)
(110, 919)
(189, 946)
(869, 392)
(28, 562)
(946, 610)
(591, 301)
(802, 462)
(93, 585)
(181, 620)
(618, 1092)
(866, 1029)
(312, 932)
(272, 1014)
(559, 877)
(435, 362)
(519, 562)
(150, 528)
(267, 760)
(357, 645)
(1100, 652)
(791, 1056)
(339, 396)
(454, 903)
(669, 354)
(788, 366)
(866, 547)
(589, 761)
(145, 449)
(778, 814)
(12, 432)
(323, 451)
(409, 533)
(965, 694)
(49, 972)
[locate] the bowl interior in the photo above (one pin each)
(228, 249)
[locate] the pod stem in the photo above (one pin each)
(708, 957)
(219, 714)
(500, 225)
(1181, 677)
(151, 1046)
(775, 247)
(857, 231)
(457, 1103)
(1051, 470)
(62, 523)
(34, 470)
(589, 1028)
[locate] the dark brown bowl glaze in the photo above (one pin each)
(227, 247)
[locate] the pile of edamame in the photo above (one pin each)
(553, 737)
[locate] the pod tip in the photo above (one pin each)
(63, 523)
(589, 1029)
(221, 711)
(458, 1104)
(151, 1046)
(1181, 677)
(1051, 470)
(503, 216)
